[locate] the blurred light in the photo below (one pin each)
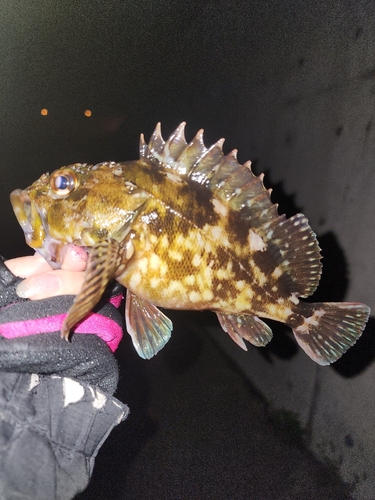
(88, 112)
(44, 112)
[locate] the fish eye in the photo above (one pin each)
(62, 183)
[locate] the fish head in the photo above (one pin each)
(79, 204)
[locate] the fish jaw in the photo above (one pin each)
(28, 218)
(33, 224)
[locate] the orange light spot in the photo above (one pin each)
(88, 112)
(44, 112)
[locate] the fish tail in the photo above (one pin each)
(326, 330)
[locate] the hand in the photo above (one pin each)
(30, 338)
(41, 281)
(51, 389)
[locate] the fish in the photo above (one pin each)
(187, 227)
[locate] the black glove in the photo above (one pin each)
(56, 404)
(24, 349)
(51, 429)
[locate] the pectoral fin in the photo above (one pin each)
(105, 259)
(245, 326)
(148, 327)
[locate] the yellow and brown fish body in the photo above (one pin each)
(181, 264)
(186, 227)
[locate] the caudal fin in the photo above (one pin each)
(330, 328)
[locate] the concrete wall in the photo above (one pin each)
(317, 138)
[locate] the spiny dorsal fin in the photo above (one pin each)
(228, 180)
(292, 241)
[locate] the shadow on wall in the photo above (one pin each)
(332, 288)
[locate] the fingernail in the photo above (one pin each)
(38, 286)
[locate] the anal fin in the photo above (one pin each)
(245, 326)
(148, 327)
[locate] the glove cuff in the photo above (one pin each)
(56, 455)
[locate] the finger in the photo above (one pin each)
(51, 284)
(75, 258)
(27, 266)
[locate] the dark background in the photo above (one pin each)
(133, 64)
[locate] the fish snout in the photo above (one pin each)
(28, 218)
(20, 201)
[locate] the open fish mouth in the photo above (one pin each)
(35, 227)
(30, 219)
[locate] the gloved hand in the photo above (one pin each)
(56, 404)
(36, 345)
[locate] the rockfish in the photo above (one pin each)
(186, 227)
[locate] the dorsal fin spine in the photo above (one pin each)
(143, 147)
(245, 194)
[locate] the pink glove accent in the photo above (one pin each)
(116, 301)
(94, 323)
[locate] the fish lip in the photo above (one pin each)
(32, 222)
(54, 252)
(21, 204)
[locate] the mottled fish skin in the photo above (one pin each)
(188, 228)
